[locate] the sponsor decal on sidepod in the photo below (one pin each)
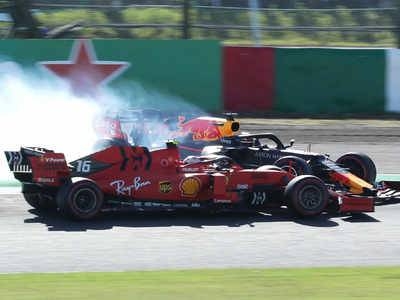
(126, 190)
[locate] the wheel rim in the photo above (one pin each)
(85, 200)
(310, 197)
(290, 169)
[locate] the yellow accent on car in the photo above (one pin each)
(190, 186)
(229, 128)
(357, 184)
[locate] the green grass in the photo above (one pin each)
(388, 177)
(9, 183)
(318, 283)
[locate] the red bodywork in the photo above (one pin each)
(132, 126)
(136, 176)
(206, 128)
(136, 173)
(350, 203)
(108, 127)
(49, 168)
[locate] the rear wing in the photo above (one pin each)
(38, 165)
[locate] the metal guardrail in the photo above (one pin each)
(45, 6)
(209, 7)
(101, 6)
(189, 23)
(301, 28)
(129, 26)
(247, 28)
(263, 9)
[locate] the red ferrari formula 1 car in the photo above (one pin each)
(354, 172)
(134, 177)
(151, 128)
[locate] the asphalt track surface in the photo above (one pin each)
(33, 242)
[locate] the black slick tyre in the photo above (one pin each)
(306, 196)
(34, 198)
(36, 201)
(358, 164)
(294, 165)
(80, 200)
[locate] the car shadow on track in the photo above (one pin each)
(55, 222)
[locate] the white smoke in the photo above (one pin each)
(43, 112)
(39, 110)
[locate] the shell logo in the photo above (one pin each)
(190, 186)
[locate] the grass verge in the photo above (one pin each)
(318, 283)
(9, 183)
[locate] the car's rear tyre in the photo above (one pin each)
(359, 164)
(36, 201)
(306, 196)
(34, 198)
(294, 165)
(80, 200)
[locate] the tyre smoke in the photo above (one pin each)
(38, 109)
(42, 112)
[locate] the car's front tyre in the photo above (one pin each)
(306, 196)
(359, 164)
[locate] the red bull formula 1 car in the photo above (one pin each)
(134, 177)
(151, 128)
(353, 172)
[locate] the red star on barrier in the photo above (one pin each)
(83, 71)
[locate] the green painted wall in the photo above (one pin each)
(28, 52)
(190, 70)
(305, 80)
(336, 81)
